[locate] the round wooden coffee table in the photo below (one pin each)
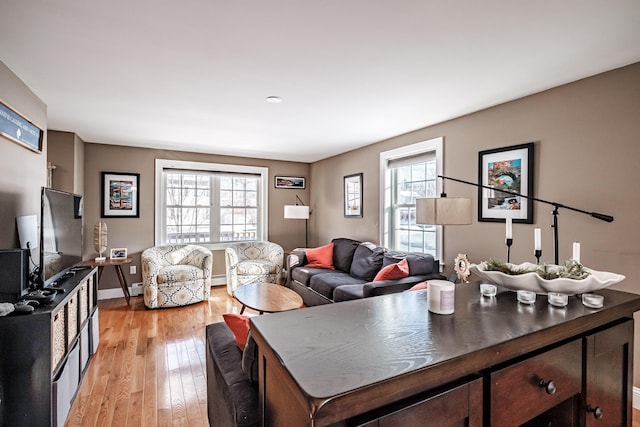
(267, 297)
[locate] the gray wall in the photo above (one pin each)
(587, 146)
(587, 137)
(137, 234)
(24, 172)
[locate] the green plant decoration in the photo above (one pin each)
(569, 270)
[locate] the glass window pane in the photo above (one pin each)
(202, 197)
(238, 198)
(252, 198)
(188, 197)
(174, 196)
(252, 184)
(189, 180)
(226, 182)
(190, 203)
(226, 216)
(418, 171)
(252, 217)
(204, 181)
(410, 182)
(173, 216)
(226, 198)
(239, 183)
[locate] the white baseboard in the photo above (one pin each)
(111, 293)
(217, 280)
(636, 398)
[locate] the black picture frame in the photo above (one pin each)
(120, 195)
(508, 168)
(19, 129)
(297, 182)
(353, 196)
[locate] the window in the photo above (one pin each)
(210, 204)
(409, 173)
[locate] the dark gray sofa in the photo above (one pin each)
(356, 264)
(232, 394)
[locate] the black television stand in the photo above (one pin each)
(43, 356)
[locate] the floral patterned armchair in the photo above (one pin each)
(253, 261)
(176, 275)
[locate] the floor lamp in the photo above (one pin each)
(299, 211)
(556, 206)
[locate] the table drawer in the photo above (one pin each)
(518, 392)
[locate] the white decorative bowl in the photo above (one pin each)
(533, 282)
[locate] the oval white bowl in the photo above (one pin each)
(533, 282)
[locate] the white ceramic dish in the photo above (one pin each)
(533, 282)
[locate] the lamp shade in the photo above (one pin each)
(296, 212)
(443, 211)
(28, 231)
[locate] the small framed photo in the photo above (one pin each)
(118, 253)
(120, 195)
(509, 173)
(290, 182)
(353, 196)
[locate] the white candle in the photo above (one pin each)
(537, 239)
(509, 227)
(576, 252)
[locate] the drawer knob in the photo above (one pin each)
(597, 411)
(548, 386)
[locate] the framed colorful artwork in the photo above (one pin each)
(120, 195)
(509, 173)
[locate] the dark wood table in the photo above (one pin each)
(117, 264)
(267, 297)
(370, 360)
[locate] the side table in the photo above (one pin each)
(117, 264)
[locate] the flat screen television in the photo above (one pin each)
(60, 234)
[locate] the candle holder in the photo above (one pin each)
(538, 254)
(508, 242)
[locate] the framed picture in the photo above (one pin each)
(509, 173)
(19, 129)
(118, 253)
(290, 182)
(120, 195)
(353, 196)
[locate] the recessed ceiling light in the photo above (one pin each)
(273, 99)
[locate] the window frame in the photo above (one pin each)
(432, 145)
(160, 201)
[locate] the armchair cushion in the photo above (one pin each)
(256, 267)
(179, 273)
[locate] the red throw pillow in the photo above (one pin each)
(239, 325)
(419, 286)
(321, 257)
(393, 271)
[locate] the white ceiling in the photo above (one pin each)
(194, 74)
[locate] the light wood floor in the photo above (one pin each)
(150, 367)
